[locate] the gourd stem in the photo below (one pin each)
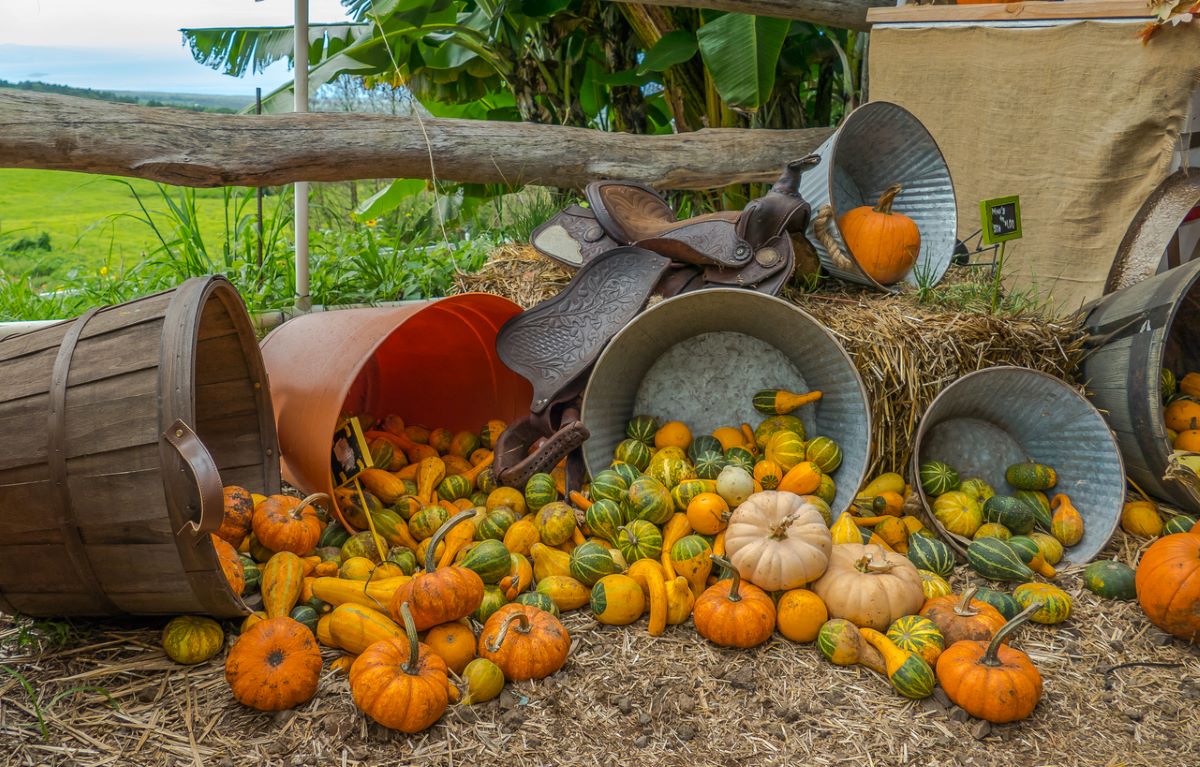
(733, 596)
(310, 500)
(524, 626)
(885, 200)
(991, 657)
(447, 526)
(867, 565)
(964, 605)
(413, 664)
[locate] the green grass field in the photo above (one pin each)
(87, 219)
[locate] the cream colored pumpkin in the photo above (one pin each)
(778, 541)
(869, 586)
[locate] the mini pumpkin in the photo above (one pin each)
(238, 516)
(778, 541)
(399, 682)
(800, 615)
(733, 613)
(989, 679)
(274, 666)
(484, 681)
(525, 642)
(192, 639)
(440, 596)
(454, 642)
(884, 243)
(870, 586)
(963, 617)
(285, 523)
(1055, 603)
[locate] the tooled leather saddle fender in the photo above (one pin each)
(627, 246)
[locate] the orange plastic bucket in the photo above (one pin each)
(432, 363)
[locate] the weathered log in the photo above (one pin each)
(199, 149)
(844, 14)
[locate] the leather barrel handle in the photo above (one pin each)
(203, 468)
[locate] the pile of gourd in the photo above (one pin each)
(1181, 411)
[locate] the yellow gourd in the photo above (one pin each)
(890, 482)
(680, 600)
(549, 561)
(566, 592)
(845, 530)
(675, 528)
(649, 575)
(521, 536)
(894, 532)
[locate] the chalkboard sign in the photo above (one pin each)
(350, 452)
(1001, 219)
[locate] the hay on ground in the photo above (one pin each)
(905, 351)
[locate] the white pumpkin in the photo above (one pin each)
(870, 587)
(778, 541)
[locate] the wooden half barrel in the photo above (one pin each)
(700, 357)
(120, 428)
(1134, 333)
(990, 419)
(432, 363)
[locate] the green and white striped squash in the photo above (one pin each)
(938, 477)
(539, 491)
(995, 560)
(634, 452)
(589, 562)
(931, 554)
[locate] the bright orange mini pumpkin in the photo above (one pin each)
(399, 682)
(275, 665)
(991, 680)
(885, 244)
(286, 523)
(239, 514)
(454, 642)
(961, 617)
(1168, 584)
(440, 596)
(734, 613)
(231, 565)
(526, 642)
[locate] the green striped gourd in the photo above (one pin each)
(776, 423)
(642, 428)
(539, 491)
(539, 600)
(627, 471)
(306, 615)
(589, 562)
(740, 456)
(390, 525)
(555, 523)
(827, 490)
(489, 559)
(993, 530)
(1010, 512)
(918, 635)
(1180, 523)
(485, 481)
(252, 573)
(1110, 579)
(404, 558)
(648, 499)
(478, 498)
(453, 487)
(670, 466)
(603, 518)
(1056, 603)
(931, 554)
(701, 444)
(995, 560)
(908, 672)
(824, 452)
(683, 493)
(709, 463)
(785, 448)
(426, 521)
(639, 539)
(934, 585)
(1031, 476)
(1039, 506)
(361, 545)
(634, 452)
(938, 477)
(1166, 384)
(608, 485)
(333, 535)
(977, 489)
(1052, 548)
(1004, 603)
(493, 524)
(493, 600)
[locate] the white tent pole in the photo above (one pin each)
(300, 58)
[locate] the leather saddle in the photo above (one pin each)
(627, 246)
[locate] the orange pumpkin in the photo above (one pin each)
(285, 523)
(734, 613)
(961, 617)
(231, 565)
(885, 244)
(275, 665)
(1168, 584)
(440, 596)
(991, 680)
(239, 514)
(399, 682)
(454, 642)
(526, 642)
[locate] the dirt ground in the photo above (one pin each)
(1117, 692)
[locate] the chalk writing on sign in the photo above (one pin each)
(1000, 219)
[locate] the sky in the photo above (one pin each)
(135, 44)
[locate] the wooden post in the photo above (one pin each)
(39, 130)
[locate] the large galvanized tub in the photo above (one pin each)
(432, 363)
(1136, 332)
(988, 420)
(699, 358)
(877, 145)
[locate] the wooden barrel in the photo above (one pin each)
(1135, 332)
(121, 427)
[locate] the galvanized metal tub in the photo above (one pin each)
(880, 144)
(992, 418)
(699, 358)
(1136, 332)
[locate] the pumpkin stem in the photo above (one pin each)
(884, 205)
(868, 565)
(412, 665)
(447, 526)
(779, 532)
(523, 626)
(310, 500)
(734, 596)
(964, 605)
(990, 658)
